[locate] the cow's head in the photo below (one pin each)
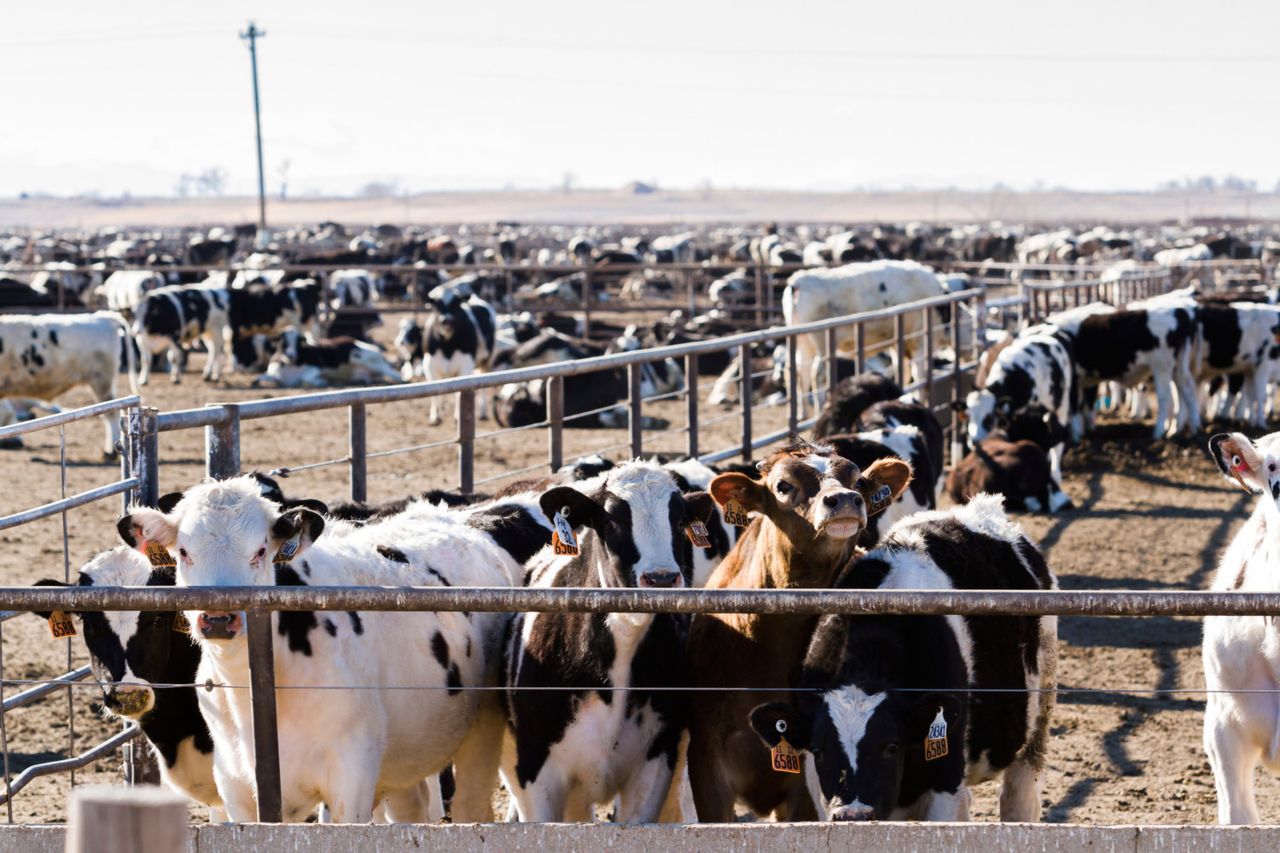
(810, 492)
(860, 741)
(225, 533)
(638, 520)
(129, 651)
(1255, 466)
(983, 412)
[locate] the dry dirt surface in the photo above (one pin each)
(1125, 745)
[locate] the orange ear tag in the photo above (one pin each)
(562, 539)
(61, 625)
(935, 743)
(160, 556)
(698, 534)
(784, 758)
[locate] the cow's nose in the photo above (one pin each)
(662, 579)
(128, 699)
(218, 625)
(854, 813)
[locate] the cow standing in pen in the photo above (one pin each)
(458, 340)
(612, 735)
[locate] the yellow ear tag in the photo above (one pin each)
(735, 514)
(160, 556)
(784, 758)
(61, 625)
(880, 500)
(698, 534)
(562, 537)
(287, 550)
(935, 744)
(180, 623)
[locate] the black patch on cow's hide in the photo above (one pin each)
(53, 337)
(1107, 345)
(513, 529)
(440, 649)
(454, 680)
(357, 624)
(295, 625)
(393, 554)
(330, 627)
(435, 574)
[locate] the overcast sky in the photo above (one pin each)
(126, 96)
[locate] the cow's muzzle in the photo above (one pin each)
(854, 813)
(218, 625)
(129, 700)
(661, 579)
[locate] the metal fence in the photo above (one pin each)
(126, 486)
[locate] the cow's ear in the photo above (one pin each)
(776, 721)
(299, 525)
(311, 504)
(750, 494)
(700, 506)
(924, 709)
(142, 525)
(1238, 458)
(44, 614)
(166, 503)
(891, 473)
(579, 510)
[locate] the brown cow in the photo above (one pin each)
(1019, 470)
(810, 505)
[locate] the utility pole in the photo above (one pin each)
(251, 36)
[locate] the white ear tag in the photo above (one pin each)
(880, 500)
(698, 535)
(562, 539)
(935, 744)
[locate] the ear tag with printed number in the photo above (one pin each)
(287, 550)
(562, 539)
(735, 514)
(782, 756)
(880, 500)
(935, 744)
(698, 534)
(180, 623)
(160, 556)
(61, 625)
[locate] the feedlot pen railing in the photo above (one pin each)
(126, 486)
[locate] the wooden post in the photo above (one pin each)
(115, 819)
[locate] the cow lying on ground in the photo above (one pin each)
(610, 737)
(373, 744)
(891, 729)
(1012, 461)
(1241, 660)
(335, 361)
(811, 505)
(45, 355)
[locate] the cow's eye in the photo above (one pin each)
(182, 552)
(890, 750)
(783, 487)
(262, 552)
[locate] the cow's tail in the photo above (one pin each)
(126, 336)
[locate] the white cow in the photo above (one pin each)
(1242, 653)
(348, 749)
(124, 289)
(45, 355)
(822, 294)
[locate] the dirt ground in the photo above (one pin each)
(1148, 517)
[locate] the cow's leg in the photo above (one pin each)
(103, 386)
(351, 788)
(237, 796)
(213, 362)
(144, 355)
(678, 807)
(644, 793)
(475, 766)
(1019, 793)
(412, 805)
(1164, 395)
(1055, 462)
(713, 800)
(1188, 392)
(175, 361)
(1233, 760)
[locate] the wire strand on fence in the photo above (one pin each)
(495, 433)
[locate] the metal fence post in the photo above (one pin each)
(356, 449)
(466, 441)
(793, 388)
(744, 391)
(833, 369)
(900, 348)
(586, 303)
(262, 697)
(957, 443)
(635, 375)
(555, 422)
(759, 295)
(928, 350)
(691, 402)
(142, 441)
(222, 444)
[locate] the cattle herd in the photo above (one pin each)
(651, 716)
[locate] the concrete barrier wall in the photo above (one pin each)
(594, 838)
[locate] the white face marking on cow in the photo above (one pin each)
(223, 534)
(850, 710)
(648, 491)
(821, 464)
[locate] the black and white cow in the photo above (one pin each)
(1036, 368)
(891, 726)
(354, 749)
(609, 736)
(458, 340)
(1240, 342)
(589, 402)
(129, 651)
(853, 396)
(335, 361)
(891, 417)
(260, 313)
(45, 355)
(353, 288)
(171, 318)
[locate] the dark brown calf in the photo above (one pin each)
(1019, 470)
(810, 507)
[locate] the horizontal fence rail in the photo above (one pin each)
(592, 600)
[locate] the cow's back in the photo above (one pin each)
(43, 355)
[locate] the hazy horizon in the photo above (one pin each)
(823, 96)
